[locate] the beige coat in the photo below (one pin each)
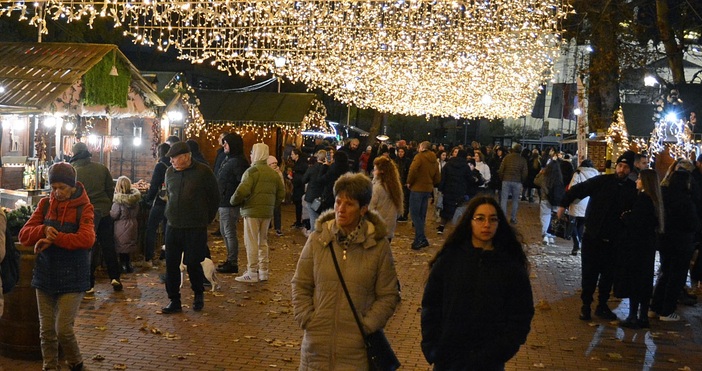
(332, 340)
(381, 202)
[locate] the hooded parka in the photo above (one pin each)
(124, 212)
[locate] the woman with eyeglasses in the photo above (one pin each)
(477, 305)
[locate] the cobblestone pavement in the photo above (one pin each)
(251, 327)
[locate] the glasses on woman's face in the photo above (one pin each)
(482, 219)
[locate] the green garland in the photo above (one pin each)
(99, 88)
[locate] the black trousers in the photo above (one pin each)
(191, 245)
(598, 264)
(105, 241)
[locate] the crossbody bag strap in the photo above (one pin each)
(346, 290)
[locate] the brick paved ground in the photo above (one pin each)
(250, 326)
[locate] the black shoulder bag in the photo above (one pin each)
(381, 357)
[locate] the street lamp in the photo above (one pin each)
(650, 81)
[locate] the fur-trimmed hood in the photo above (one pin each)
(129, 199)
(375, 229)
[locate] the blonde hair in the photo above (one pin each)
(124, 185)
(389, 177)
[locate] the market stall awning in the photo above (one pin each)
(34, 75)
(288, 108)
(639, 118)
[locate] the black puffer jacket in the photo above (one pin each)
(455, 178)
(476, 310)
(231, 169)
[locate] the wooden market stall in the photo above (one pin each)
(277, 119)
(53, 94)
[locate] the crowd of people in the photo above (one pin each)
(477, 304)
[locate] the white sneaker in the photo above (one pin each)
(247, 277)
(91, 291)
(673, 317)
(545, 241)
(551, 240)
(262, 275)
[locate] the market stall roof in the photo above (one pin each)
(34, 75)
(639, 118)
(288, 108)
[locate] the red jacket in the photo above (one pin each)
(60, 213)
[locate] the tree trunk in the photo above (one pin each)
(673, 50)
(375, 126)
(603, 94)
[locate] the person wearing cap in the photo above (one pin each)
(193, 200)
(513, 172)
(100, 186)
(610, 195)
(229, 176)
(260, 191)
(62, 232)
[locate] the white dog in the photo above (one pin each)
(208, 268)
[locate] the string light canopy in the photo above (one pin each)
(417, 57)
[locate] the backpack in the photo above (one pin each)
(10, 265)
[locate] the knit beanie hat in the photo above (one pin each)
(62, 172)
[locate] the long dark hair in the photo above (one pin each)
(506, 238)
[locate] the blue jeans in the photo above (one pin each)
(418, 203)
(228, 217)
(56, 316)
(515, 189)
(313, 215)
(156, 217)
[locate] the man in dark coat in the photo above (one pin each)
(610, 195)
(98, 183)
(193, 200)
(353, 152)
(228, 178)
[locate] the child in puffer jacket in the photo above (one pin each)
(125, 209)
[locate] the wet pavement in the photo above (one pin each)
(251, 326)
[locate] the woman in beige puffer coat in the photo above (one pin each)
(332, 339)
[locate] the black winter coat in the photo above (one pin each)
(311, 178)
(328, 177)
(299, 168)
(609, 198)
(476, 310)
(637, 250)
(403, 165)
(456, 179)
(229, 176)
(681, 220)
(158, 178)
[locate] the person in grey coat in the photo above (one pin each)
(332, 339)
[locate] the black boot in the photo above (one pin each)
(199, 302)
(585, 313)
(77, 367)
(172, 307)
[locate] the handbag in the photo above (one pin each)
(316, 204)
(381, 357)
(562, 228)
